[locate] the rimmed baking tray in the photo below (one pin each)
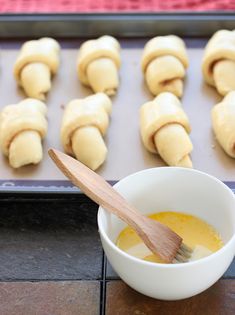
(126, 152)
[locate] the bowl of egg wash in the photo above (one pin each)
(197, 206)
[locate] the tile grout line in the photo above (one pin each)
(103, 286)
(51, 280)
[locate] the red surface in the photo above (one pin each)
(73, 6)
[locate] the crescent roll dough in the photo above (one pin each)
(163, 63)
(164, 129)
(98, 64)
(223, 122)
(84, 124)
(38, 60)
(218, 63)
(22, 127)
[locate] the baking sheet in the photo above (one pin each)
(126, 153)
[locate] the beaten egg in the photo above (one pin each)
(196, 233)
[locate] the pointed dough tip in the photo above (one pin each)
(110, 92)
(185, 162)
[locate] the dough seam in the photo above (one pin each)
(22, 130)
(211, 68)
(162, 54)
(29, 63)
(79, 127)
(100, 57)
(168, 124)
(169, 80)
(21, 67)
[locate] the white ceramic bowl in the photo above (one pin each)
(172, 189)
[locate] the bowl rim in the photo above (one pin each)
(160, 265)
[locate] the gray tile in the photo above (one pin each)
(110, 273)
(230, 273)
(49, 240)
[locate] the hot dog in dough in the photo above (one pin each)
(164, 129)
(98, 64)
(218, 63)
(163, 63)
(22, 127)
(37, 62)
(223, 122)
(84, 124)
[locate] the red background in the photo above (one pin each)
(56, 6)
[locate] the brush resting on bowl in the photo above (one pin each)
(196, 233)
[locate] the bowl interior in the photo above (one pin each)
(175, 189)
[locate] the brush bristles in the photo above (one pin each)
(183, 254)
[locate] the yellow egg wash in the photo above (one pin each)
(195, 233)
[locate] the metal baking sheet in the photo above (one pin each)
(126, 152)
(193, 24)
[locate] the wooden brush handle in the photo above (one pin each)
(159, 238)
(96, 188)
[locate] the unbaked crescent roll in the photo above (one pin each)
(223, 123)
(84, 124)
(38, 60)
(164, 129)
(98, 64)
(22, 128)
(218, 63)
(163, 63)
